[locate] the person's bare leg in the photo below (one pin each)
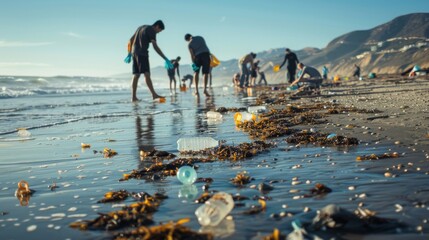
(134, 83)
(196, 83)
(206, 78)
(174, 84)
(150, 86)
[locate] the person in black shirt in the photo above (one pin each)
(292, 61)
(138, 46)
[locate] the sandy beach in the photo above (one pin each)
(394, 188)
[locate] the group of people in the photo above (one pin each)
(249, 69)
(138, 46)
(200, 54)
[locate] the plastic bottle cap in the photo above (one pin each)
(276, 68)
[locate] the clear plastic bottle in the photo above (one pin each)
(215, 209)
(257, 109)
(214, 115)
(196, 143)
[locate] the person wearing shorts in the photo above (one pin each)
(138, 48)
(200, 55)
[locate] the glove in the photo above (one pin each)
(195, 67)
(128, 58)
(168, 64)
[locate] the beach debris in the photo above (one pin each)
(264, 188)
(161, 169)
(53, 186)
(255, 209)
(108, 153)
(233, 109)
(23, 193)
(234, 153)
(361, 220)
(203, 198)
(195, 144)
(276, 235)
(136, 215)
(214, 210)
(115, 196)
(23, 132)
(305, 137)
(156, 155)
(170, 230)
(214, 115)
(377, 156)
(186, 175)
(85, 145)
(242, 178)
(318, 190)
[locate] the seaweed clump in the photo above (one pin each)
(234, 153)
(135, 215)
(170, 230)
(242, 178)
(162, 170)
(323, 139)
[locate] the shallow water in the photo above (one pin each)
(59, 123)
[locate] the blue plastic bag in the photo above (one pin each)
(195, 67)
(168, 64)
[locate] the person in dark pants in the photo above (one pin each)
(357, 71)
(138, 49)
(172, 74)
(292, 61)
(200, 55)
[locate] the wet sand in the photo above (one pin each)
(83, 176)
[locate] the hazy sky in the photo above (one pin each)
(89, 37)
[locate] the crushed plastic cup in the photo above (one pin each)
(276, 68)
(214, 210)
(241, 117)
(186, 175)
(214, 115)
(196, 143)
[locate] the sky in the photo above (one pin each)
(89, 37)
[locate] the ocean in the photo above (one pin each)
(63, 112)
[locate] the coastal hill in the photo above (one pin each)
(390, 48)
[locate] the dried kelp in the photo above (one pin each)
(156, 155)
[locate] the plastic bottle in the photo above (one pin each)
(215, 209)
(186, 175)
(196, 143)
(240, 117)
(292, 88)
(257, 109)
(214, 115)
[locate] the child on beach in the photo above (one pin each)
(172, 74)
(236, 80)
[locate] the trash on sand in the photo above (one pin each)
(186, 175)
(215, 209)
